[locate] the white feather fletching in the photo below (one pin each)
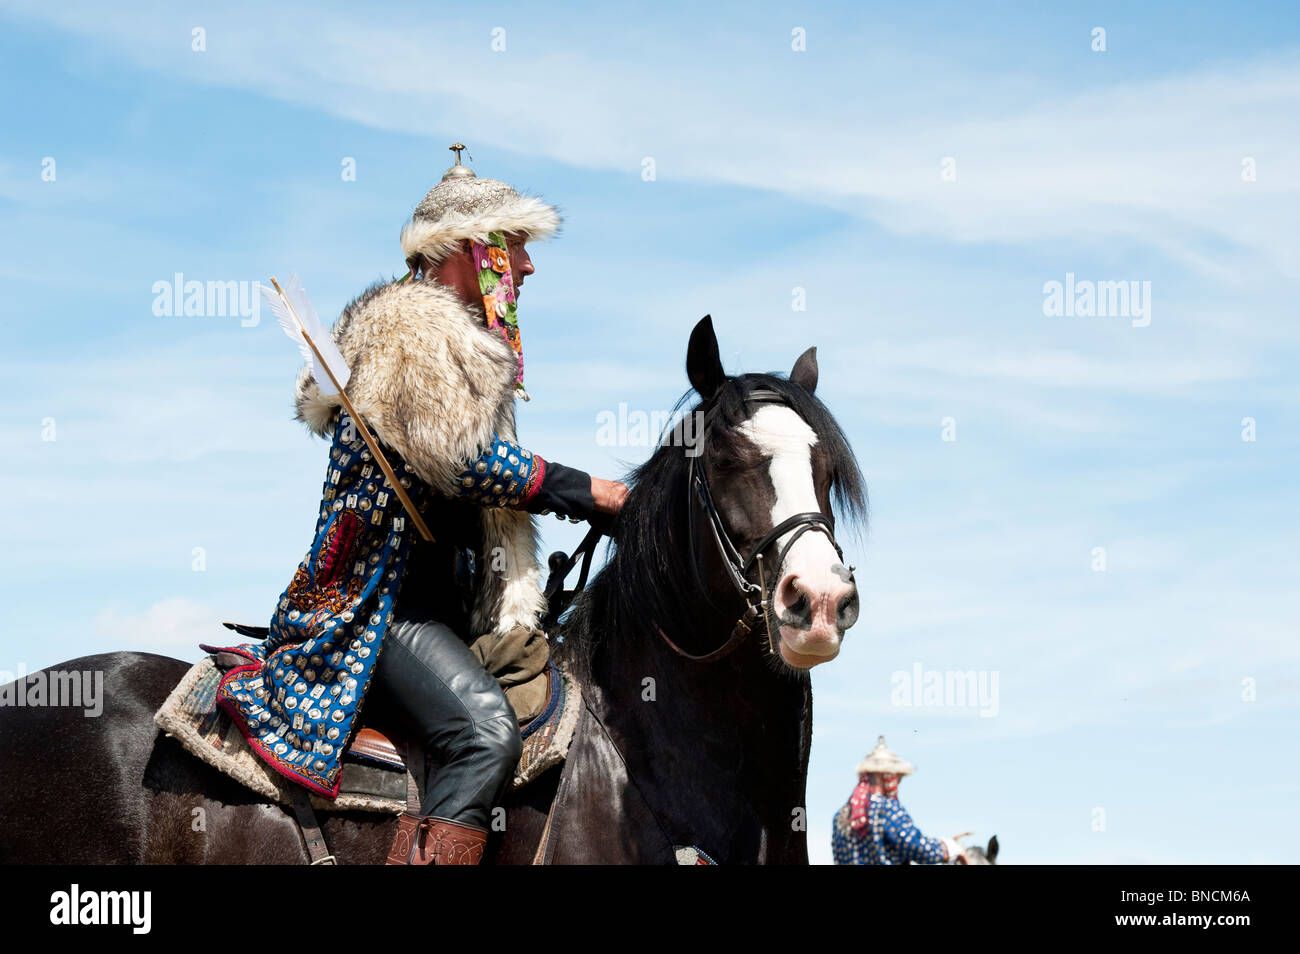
(302, 324)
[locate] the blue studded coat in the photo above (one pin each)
(436, 388)
(298, 697)
(890, 837)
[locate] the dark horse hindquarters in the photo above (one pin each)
(112, 789)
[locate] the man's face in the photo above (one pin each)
(883, 783)
(520, 264)
(460, 270)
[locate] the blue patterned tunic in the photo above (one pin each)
(890, 837)
(298, 697)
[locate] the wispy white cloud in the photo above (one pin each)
(169, 627)
(1155, 162)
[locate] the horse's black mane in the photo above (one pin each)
(650, 577)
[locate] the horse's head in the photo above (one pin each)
(975, 855)
(733, 508)
(768, 457)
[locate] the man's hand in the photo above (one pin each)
(956, 853)
(608, 495)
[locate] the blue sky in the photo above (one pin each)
(1119, 690)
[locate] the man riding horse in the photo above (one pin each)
(873, 827)
(445, 631)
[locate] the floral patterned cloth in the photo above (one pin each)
(500, 303)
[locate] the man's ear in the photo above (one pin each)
(427, 267)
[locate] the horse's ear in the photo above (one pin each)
(703, 364)
(804, 372)
(992, 851)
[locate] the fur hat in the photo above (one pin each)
(463, 206)
(881, 760)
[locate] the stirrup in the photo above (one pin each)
(428, 839)
(406, 842)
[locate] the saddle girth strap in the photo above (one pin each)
(414, 776)
(305, 815)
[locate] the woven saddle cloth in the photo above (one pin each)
(374, 774)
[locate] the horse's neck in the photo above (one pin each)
(722, 746)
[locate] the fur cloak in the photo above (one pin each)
(435, 384)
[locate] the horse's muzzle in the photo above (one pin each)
(815, 601)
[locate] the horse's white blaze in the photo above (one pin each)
(782, 435)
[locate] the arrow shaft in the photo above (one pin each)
(370, 440)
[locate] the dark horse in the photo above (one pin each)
(696, 729)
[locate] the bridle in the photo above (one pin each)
(738, 568)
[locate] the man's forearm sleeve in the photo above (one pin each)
(506, 475)
(566, 490)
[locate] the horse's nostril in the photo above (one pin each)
(797, 602)
(846, 612)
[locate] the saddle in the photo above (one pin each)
(381, 772)
(374, 746)
(386, 747)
